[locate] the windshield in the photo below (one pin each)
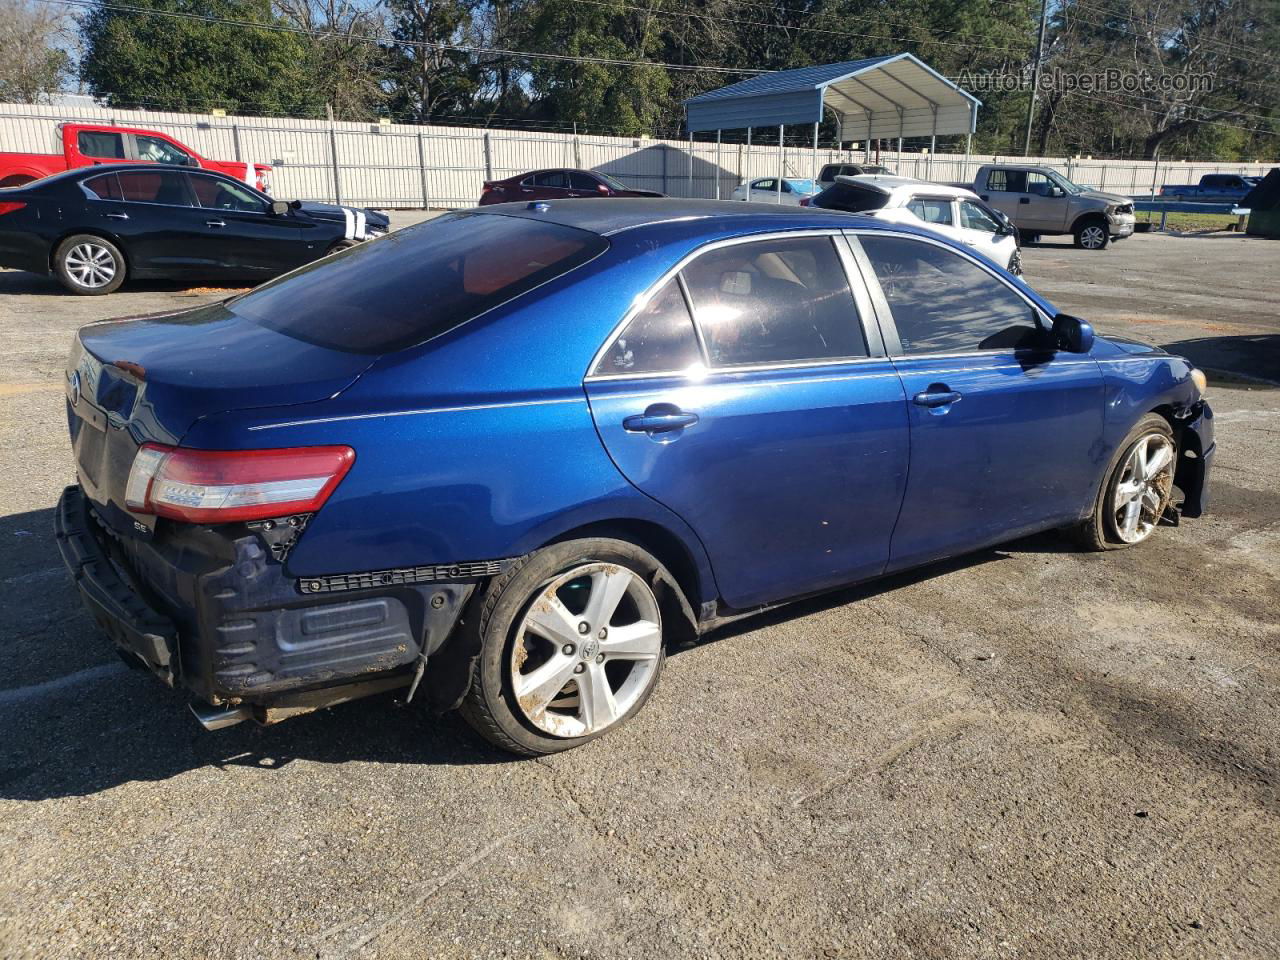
(1065, 184)
(611, 181)
(417, 283)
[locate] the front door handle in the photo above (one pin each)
(659, 422)
(938, 398)
(215, 223)
(116, 215)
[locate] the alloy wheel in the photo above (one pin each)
(586, 650)
(1146, 481)
(1092, 237)
(90, 265)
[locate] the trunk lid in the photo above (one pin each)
(150, 378)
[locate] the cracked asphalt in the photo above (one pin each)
(1026, 752)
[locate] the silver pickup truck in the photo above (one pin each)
(1041, 201)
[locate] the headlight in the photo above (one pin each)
(1200, 380)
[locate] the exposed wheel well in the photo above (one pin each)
(664, 545)
(17, 180)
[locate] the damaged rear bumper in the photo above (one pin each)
(212, 611)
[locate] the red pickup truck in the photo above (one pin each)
(84, 145)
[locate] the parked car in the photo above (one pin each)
(557, 185)
(1042, 202)
(85, 145)
(502, 458)
(93, 228)
(1213, 188)
(827, 176)
(953, 212)
(765, 190)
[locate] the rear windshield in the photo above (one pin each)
(417, 283)
(851, 199)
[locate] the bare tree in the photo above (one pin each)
(347, 68)
(34, 62)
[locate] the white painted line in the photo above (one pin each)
(89, 675)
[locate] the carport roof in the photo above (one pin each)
(882, 97)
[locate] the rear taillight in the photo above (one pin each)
(217, 486)
(805, 201)
(9, 206)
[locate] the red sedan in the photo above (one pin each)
(557, 185)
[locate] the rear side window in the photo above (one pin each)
(774, 301)
(659, 339)
(944, 303)
(98, 143)
(931, 210)
(1007, 181)
(553, 178)
(844, 196)
(417, 283)
(154, 186)
(105, 187)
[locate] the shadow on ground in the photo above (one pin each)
(1256, 356)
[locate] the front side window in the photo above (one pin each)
(1039, 185)
(417, 283)
(154, 186)
(582, 181)
(156, 150)
(944, 303)
(931, 209)
(99, 143)
(973, 217)
(659, 339)
(215, 194)
(774, 301)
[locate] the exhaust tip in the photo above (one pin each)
(218, 718)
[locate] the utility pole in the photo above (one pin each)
(1035, 75)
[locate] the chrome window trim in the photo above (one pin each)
(834, 234)
(1042, 318)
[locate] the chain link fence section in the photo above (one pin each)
(409, 166)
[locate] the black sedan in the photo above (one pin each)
(95, 226)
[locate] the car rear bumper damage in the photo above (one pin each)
(211, 611)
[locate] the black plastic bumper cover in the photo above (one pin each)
(211, 610)
(137, 630)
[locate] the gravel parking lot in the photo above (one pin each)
(1026, 752)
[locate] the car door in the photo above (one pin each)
(1005, 430)
(1047, 204)
(241, 234)
(1004, 191)
(150, 210)
(980, 230)
(772, 423)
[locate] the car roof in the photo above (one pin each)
(887, 185)
(611, 215)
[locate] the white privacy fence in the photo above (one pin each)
(401, 165)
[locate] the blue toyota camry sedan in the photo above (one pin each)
(500, 460)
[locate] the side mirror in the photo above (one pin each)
(280, 207)
(192, 162)
(1072, 334)
(1057, 192)
(295, 204)
(602, 189)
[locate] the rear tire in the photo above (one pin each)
(1092, 234)
(339, 246)
(1131, 501)
(88, 265)
(571, 646)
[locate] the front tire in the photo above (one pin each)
(571, 646)
(1137, 488)
(88, 265)
(1092, 234)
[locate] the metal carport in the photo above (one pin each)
(879, 98)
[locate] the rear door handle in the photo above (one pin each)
(215, 223)
(116, 215)
(939, 399)
(659, 422)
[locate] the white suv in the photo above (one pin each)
(951, 211)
